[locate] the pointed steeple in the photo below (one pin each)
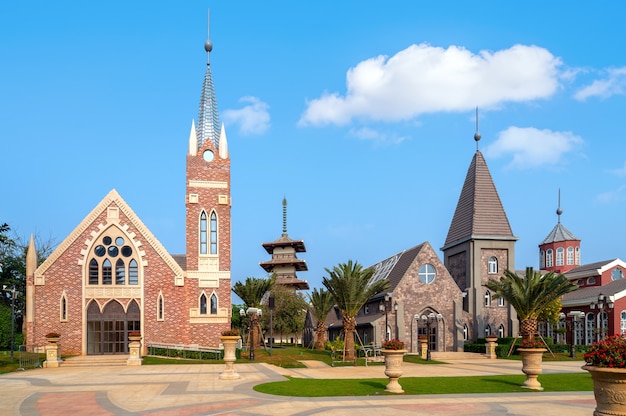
(208, 116)
(193, 140)
(479, 212)
(223, 144)
(31, 257)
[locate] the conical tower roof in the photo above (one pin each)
(208, 116)
(559, 233)
(479, 212)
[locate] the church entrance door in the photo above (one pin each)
(107, 331)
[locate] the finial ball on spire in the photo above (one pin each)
(477, 136)
(559, 211)
(208, 46)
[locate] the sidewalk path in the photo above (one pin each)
(185, 390)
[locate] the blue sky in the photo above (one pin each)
(361, 115)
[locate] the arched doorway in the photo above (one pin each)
(107, 331)
(429, 323)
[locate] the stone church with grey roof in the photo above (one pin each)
(445, 300)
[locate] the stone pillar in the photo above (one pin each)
(52, 356)
(490, 347)
(423, 346)
(135, 352)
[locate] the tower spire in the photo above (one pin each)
(477, 135)
(208, 116)
(559, 211)
(284, 215)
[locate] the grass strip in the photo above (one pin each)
(301, 387)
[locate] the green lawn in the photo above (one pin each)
(300, 387)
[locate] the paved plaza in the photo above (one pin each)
(185, 390)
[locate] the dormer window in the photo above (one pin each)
(617, 274)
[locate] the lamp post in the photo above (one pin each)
(4, 287)
(384, 307)
(429, 320)
(416, 318)
(572, 322)
(271, 305)
(254, 314)
(600, 304)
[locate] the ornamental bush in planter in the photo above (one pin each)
(606, 362)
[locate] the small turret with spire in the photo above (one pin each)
(559, 252)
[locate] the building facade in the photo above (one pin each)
(111, 275)
(598, 307)
(446, 301)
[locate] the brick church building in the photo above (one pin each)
(111, 275)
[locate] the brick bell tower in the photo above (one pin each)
(208, 201)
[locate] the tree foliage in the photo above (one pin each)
(13, 251)
(350, 288)
(252, 291)
(289, 311)
(530, 295)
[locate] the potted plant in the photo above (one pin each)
(53, 337)
(606, 362)
(531, 295)
(393, 344)
(393, 350)
(134, 336)
(230, 338)
(532, 351)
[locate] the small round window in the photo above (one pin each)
(113, 251)
(107, 240)
(127, 251)
(119, 241)
(427, 273)
(100, 251)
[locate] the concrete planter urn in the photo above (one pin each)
(230, 347)
(491, 342)
(393, 369)
(134, 349)
(531, 366)
(609, 389)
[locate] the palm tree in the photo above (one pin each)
(251, 293)
(530, 295)
(350, 287)
(321, 303)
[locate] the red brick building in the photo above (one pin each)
(112, 276)
(598, 307)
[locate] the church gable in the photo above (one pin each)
(112, 221)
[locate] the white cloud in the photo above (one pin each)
(252, 119)
(376, 136)
(422, 79)
(613, 84)
(531, 147)
(620, 171)
(611, 196)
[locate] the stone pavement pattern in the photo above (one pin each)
(185, 390)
